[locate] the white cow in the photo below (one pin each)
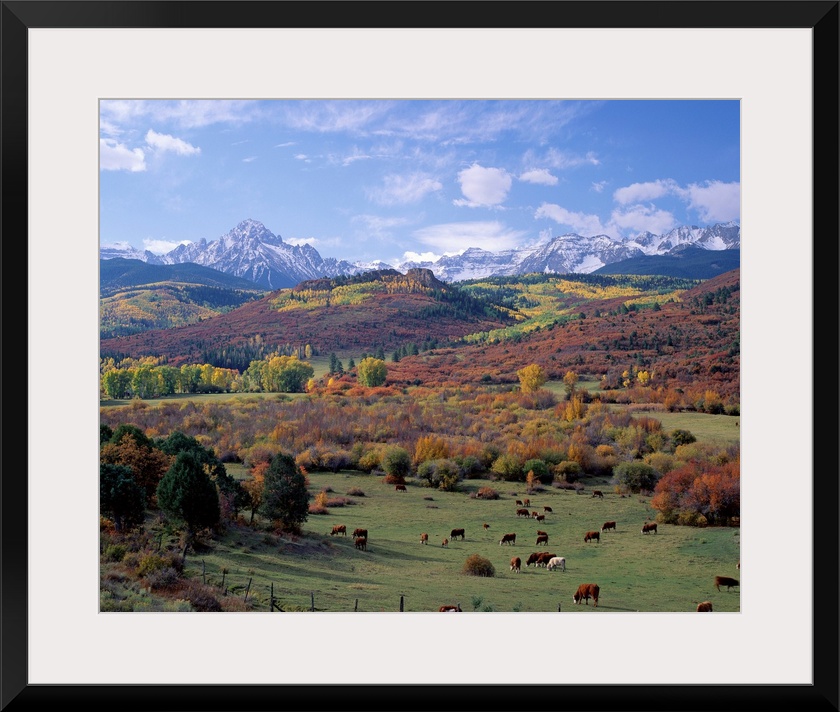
(557, 562)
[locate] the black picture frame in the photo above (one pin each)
(821, 17)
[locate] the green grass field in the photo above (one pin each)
(672, 570)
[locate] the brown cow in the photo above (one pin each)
(586, 591)
(540, 517)
(339, 529)
(540, 532)
(360, 533)
(725, 581)
(592, 536)
(485, 525)
(533, 558)
(450, 609)
(705, 607)
(507, 539)
(649, 527)
(455, 533)
(519, 502)
(608, 525)
(544, 557)
(523, 513)
(424, 538)
(526, 502)
(400, 488)
(542, 539)
(547, 509)
(598, 493)
(445, 542)
(516, 564)
(361, 543)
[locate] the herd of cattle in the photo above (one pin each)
(545, 559)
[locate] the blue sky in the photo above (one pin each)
(403, 179)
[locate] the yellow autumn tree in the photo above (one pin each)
(532, 378)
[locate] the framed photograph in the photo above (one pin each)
(648, 124)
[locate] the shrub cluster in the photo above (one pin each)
(476, 565)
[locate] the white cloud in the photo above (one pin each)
(295, 241)
(640, 218)
(161, 247)
(483, 187)
(249, 159)
(420, 257)
(581, 223)
(404, 189)
(562, 160)
(599, 186)
(715, 201)
(457, 237)
(284, 145)
(303, 157)
(638, 192)
(166, 143)
(114, 156)
(185, 114)
(541, 176)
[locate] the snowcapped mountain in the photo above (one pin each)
(253, 252)
(574, 253)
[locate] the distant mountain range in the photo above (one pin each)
(252, 252)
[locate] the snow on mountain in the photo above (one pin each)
(253, 252)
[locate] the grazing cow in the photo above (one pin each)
(539, 517)
(485, 525)
(540, 532)
(547, 509)
(455, 533)
(705, 607)
(526, 502)
(360, 533)
(523, 513)
(725, 581)
(557, 562)
(598, 493)
(649, 527)
(445, 542)
(592, 536)
(586, 591)
(424, 538)
(543, 558)
(339, 529)
(542, 539)
(450, 609)
(507, 539)
(361, 543)
(400, 488)
(516, 564)
(533, 558)
(608, 525)
(519, 502)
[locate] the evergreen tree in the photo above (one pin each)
(285, 497)
(120, 497)
(187, 495)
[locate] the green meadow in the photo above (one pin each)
(671, 570)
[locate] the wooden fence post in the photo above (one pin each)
(203, 572)
(356, 605)
(312, 596)
(247, 590)
(401, 604)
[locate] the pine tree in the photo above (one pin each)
(285, 497)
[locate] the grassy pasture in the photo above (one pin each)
(668, 571)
